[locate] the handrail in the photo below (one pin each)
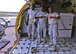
(5, 23)
(3, 27)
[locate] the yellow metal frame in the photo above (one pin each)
(18, 18)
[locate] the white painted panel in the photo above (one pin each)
(67, 19)
(64, 33)
(60, 25)
(68, 23)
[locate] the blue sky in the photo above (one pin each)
(11, 5)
